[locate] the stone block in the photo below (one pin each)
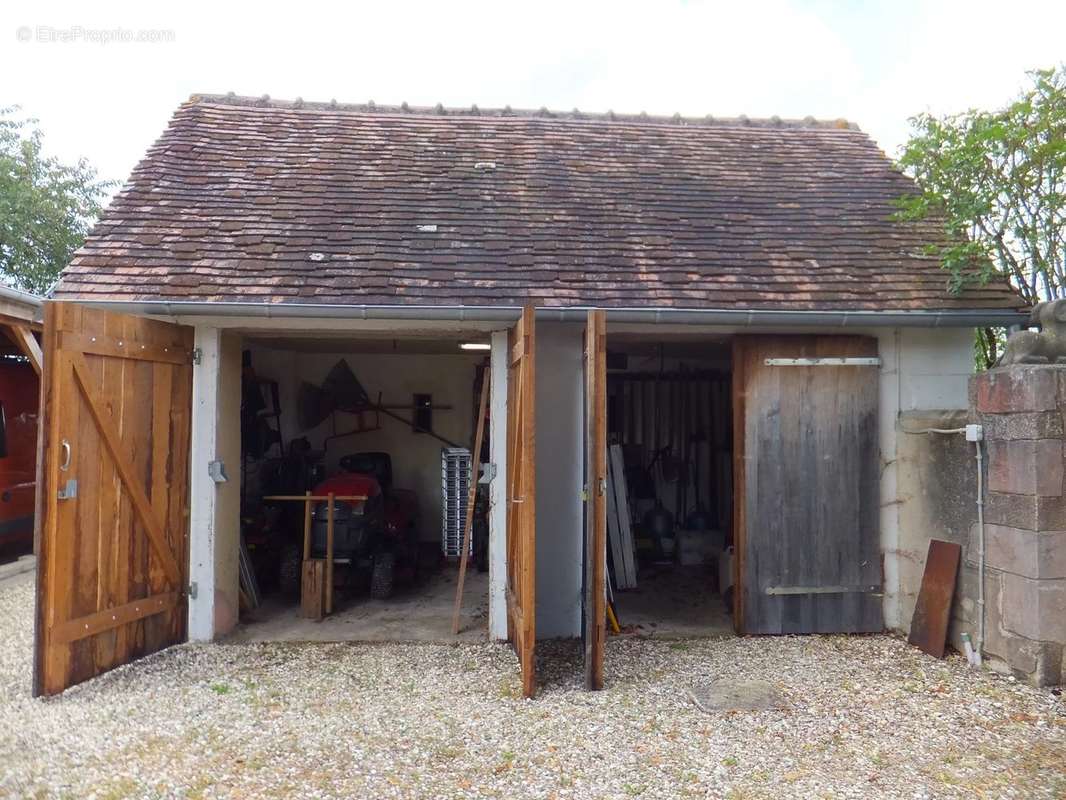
(1027, 660)
(1017, 388)
(1034, 609)
(1033, 513)
(1049, 667)
(1031, 425)
(1030, 554)
(1028, 466)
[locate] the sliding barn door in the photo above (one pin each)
(522, 497)
(113, 563)
(807, 532)
(595, 628)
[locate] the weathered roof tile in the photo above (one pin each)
(280, 202)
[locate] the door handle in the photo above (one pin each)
(64, 447)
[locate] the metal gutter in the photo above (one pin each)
(28, 299)
(692, 316)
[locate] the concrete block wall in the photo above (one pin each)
(1021, 408)
(937, 499)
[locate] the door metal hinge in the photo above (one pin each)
(779, 590)
(192, 589)
(197, 355)
(69, 491)
(217, 471)
(825, 361)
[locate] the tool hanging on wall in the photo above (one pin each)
(468, 525)
(342, 392)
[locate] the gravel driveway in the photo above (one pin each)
(865, 717)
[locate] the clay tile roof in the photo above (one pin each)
(251, 199)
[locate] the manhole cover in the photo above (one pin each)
(728, 694)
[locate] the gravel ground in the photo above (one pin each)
(865, 717)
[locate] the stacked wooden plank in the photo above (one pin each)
(619, 523)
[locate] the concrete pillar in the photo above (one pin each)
(498, 487)
(1021, 408)
(214, 508)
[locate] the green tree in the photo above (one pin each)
(996, 181)
(46, 207)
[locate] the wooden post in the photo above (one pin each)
(317, 573)
(28, 344)
(312, 588)
(329, 554)
(468, 524)
(307, 526)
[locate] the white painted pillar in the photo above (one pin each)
(205, 397)
(890, 377)
(498, 488)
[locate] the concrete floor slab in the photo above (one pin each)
(671, 600)
(421, 613)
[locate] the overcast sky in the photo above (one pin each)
(872, 63)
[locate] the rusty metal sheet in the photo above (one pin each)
(932, 612)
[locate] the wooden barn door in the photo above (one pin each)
(806, 449)
(113, 563)
(595, 627)
(522, 497)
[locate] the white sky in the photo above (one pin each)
(872, 63)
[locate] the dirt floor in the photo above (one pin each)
(421, 613)
(672, 601)
(860, 717)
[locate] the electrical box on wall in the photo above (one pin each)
(423, 413)
(975, 433)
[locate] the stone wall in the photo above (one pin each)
(1021, 409)
(936, 499)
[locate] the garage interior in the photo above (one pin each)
(669, 422)
(388, 418)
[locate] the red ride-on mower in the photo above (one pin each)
(377, 536)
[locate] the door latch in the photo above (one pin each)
(70, 491)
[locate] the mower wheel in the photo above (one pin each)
(383, 576)
(289, 571)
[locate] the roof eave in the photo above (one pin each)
(965, 318)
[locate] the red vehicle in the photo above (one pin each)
(378, 535)
(18, 455)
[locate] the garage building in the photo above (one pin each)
(699, 336)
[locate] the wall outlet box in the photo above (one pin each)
(975, 433)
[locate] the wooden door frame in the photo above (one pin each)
(739, 505)
(522, 496)
(595, 601)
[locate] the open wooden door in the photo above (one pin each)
(806, 497)
(113, 524)
(522, 497)
(595, 628)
